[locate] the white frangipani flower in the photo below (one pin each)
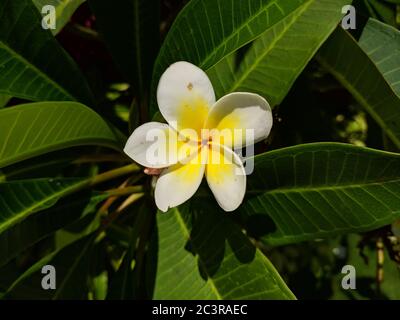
(199, 138)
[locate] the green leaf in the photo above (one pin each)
(321, 190)
(125, 280)
(204, 255)
(131, 29)
(4, 100)
(64, 10)
(33, 129)
(47, 165)
(72, 268)
(100, 286)
(342, 56)
(275, 59)
(382, 44)
(20, 199)
(37, 226)
(207, 30)
(33, 65)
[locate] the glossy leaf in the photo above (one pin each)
(37, 128)
(278, 56)
(20, 199)
(47, 165)
(72, 267)
(33, 65)
(4, 100)
(131, 30)
(38, 225)
(342, 56)
(204, 255)
(382, 44)
(64, 10)
(206, 31)
(321, 190)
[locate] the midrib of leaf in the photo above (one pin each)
(370, 53)
(323, 188)
(289, 294)
(78, 130)
(346, 189)
(43, 75)
(37, 205)
(71, 270)
(293, 17)
(44, 260)
(359, 97)
(62, 5)
(237, 31)
(186, 233)
(33, 167)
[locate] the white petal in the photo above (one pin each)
(185, 96)
(155, 145)
(234, 114)
(226, 177)
(179, 182)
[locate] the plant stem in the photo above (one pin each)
(125, 191)
(100, 158)
(103, 177)
(113, 216)
(112, 174)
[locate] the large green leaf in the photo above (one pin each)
(20, 199)
(64, 10)
(131, 30)
(47, 165)
(277, 57)
(38, 225)
(382, 44)
(204, 255)
(33, 65)
(342, 56)
(4, 100)
(321, 190)
(72, 264)
(207, 30)
(37, 128)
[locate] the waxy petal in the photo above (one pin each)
(157, 145)
(237, 112)
(185, 96)
(179, 182)
(226, 177)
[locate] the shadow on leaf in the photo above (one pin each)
(215, 238)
